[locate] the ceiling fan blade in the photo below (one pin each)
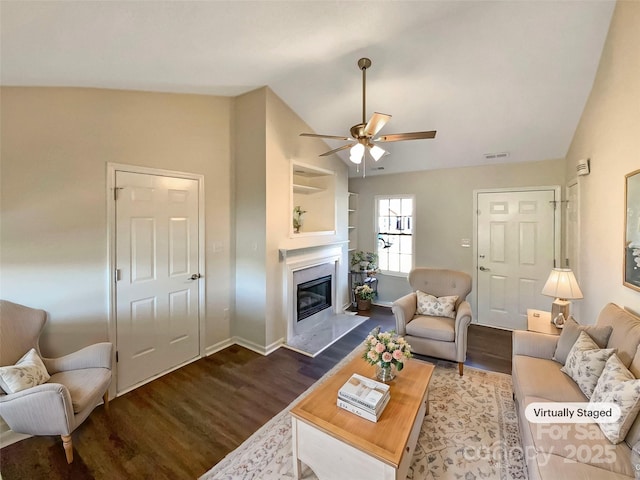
(335, 137)
(344, 147)
(375, 123)
(398, 137)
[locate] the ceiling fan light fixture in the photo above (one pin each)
(376, 152)
(357, 153)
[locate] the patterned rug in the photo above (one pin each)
(471, 432)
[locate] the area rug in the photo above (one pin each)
(471, 432)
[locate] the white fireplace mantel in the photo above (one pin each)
(296, 251)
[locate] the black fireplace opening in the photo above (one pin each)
(313, 296)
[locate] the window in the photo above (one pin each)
(394, 242)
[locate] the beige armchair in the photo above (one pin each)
(77, 382)
(436, 336)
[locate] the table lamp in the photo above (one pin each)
(563, 286)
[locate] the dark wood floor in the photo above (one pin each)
(180, 425)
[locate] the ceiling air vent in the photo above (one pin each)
(496, 156)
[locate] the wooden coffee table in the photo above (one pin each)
(337, 444)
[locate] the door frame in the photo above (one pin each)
(112, 168)
(557, 232)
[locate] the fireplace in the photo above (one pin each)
(314, 294)
(313, 297)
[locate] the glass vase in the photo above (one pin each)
(385, 373)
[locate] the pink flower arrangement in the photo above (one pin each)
(386, 349)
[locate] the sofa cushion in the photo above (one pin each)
(569, 335)
(542, 378)
(438, 307)
(626, 332)
(586, 362)
(618, 385)
(28, 372)
(436, 328)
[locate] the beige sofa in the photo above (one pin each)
(565, 450)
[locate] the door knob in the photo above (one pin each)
(484, 269)
(195, 276)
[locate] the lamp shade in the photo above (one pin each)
(356, 153)
(562, 284)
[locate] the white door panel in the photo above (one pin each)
(157, 318)
(515, 241)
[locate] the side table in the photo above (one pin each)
(540, 321)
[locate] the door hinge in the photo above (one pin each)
(117, 275)
(117, 356)
(115, 192)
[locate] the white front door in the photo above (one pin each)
(157, 318)
(516, 248)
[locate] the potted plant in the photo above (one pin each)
(298, 218)
(364, 295)
(364, 262)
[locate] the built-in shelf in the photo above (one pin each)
(313, 190)
(352, 211)
(306, 189)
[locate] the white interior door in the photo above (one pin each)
(516, 250)
(157, 317)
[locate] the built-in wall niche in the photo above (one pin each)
(313, 189)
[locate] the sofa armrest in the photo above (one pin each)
(534, 344)
(97, 355)
(404, 310)
(463, 317)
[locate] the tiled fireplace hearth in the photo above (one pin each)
(313, 298)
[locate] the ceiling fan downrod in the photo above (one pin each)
(363, 64)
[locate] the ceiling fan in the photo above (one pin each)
(362, 135)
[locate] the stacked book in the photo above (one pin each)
(364, 397)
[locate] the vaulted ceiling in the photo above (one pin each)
(490, 77)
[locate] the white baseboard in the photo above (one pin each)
(216, 347)
(262, 350)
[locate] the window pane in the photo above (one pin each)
(405, 263)
(395, 206)
(407, 206)
(405, 244)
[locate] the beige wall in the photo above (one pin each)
(608, 134)
(250, 192)
(263, 211)
(56, 143)
(443, 210)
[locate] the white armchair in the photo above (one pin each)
(77, 382)
(435, 335)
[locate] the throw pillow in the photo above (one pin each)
(586, 362)
(28, 372)
(570, 333)
(618, 385)
(436, 307)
